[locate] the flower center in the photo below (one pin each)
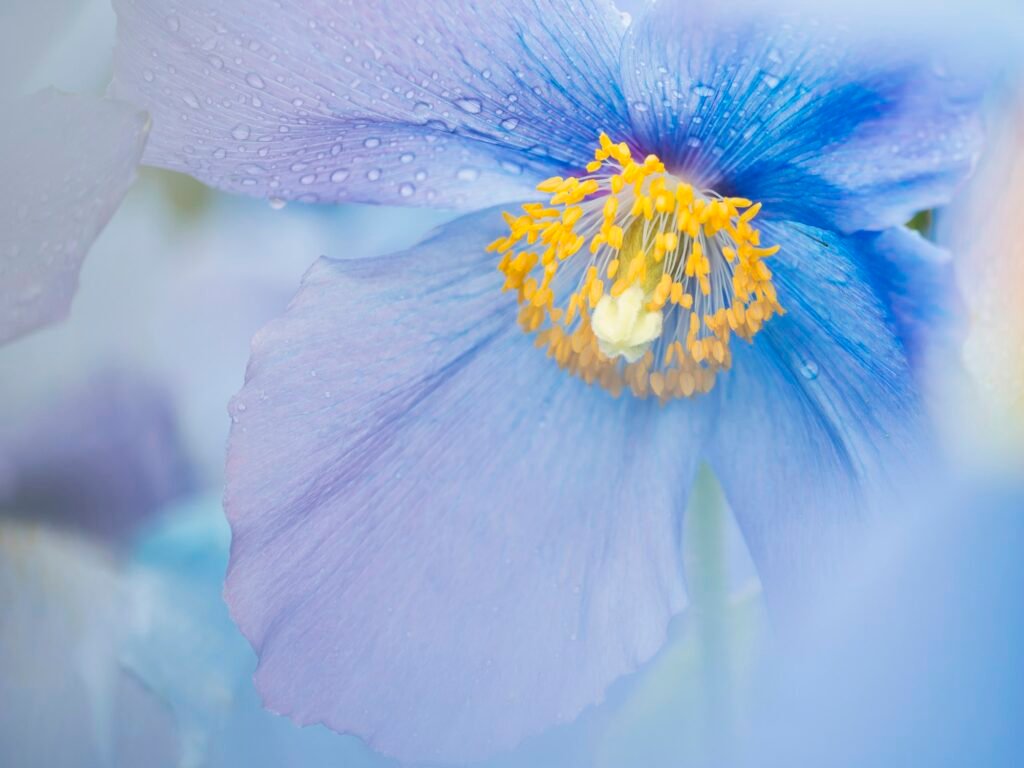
(669, 274)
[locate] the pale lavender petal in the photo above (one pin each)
(68, 161)
(101, 458)
(442, 542)
(449, 103)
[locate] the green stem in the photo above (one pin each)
(708, 582)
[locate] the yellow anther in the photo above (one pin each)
(550, 185)
(669, 252)
(615, 237)
(750, 213)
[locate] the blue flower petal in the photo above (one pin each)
(822, 127)
(390, 102)
(820, 414)
(916, 280)
(68, 161)
(442, 542)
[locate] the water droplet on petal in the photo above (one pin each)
(472, 106)
(277, 203)
(510, 123)
(407, 190)
(240, 132)
(190, 99)
(468, 173)
(407, 158)
(809, 370)
(373, 174)
(371, 143)
(255, 80)
(339, 175)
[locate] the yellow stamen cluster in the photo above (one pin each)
(695, 255)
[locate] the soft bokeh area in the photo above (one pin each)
(117, 649)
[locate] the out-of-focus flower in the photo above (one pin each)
(68, 161)
(103, 458)
(65, 703)
(443, 541)
(991, 273)
(917, 660)
(100, 458)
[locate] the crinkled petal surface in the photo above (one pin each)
(397, 101)
(823, 126)
(442, 542)
(820, 413)
(68, 162)
(103, 458)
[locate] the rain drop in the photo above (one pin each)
(510, 123)
(308, 179)
(373, 174)
(407, 190)
(371, 143)
(240, 132)
(255, 81)
(468, 173)
(472, 106)
(277, 203)
(407, 158)
(809, 370)
(339, 175)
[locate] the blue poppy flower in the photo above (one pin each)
(445, 537)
